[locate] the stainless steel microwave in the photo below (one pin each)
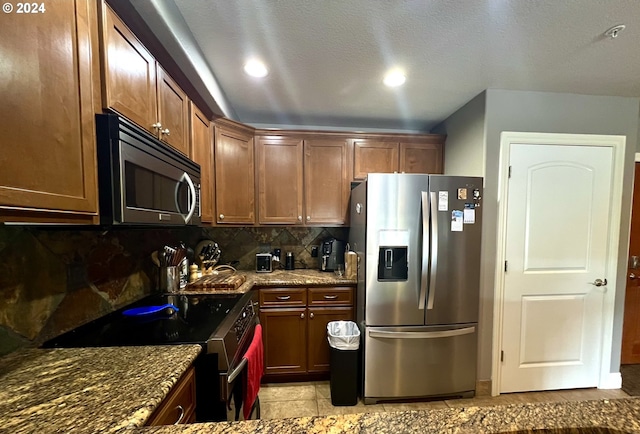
(142, 181)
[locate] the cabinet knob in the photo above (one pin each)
(308, 217)
(311, 315)
(299, 218)
(302, 316)
(166, 132)
(221, 216)
(156, 126)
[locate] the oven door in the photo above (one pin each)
(153, 190)
(232, 382)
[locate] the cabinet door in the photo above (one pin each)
(129, 73)
(202, 153)
(374, 157)
(180, 404)
(234, 176)
(326, 181)
(47, 161)
(421, 158)
(318, 346)
(173, 113)
(285, 340)
(279, 180)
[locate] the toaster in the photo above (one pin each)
(263, 262)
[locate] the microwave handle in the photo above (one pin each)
(192, 189)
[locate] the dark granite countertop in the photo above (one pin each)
(604, 416)
(87, 390)
(298, 277)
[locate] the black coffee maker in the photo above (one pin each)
(331, 254)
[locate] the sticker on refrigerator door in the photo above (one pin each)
(456, 221)
(443, 201)
(469, 214)
(462, 194)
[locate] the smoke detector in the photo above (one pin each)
(614, 31)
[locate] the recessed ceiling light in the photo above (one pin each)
(394, 78)
(256, 68)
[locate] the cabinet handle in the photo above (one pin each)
(179, 407)
(221, 216)
(166, 132)
(283, 297)
(311, 315)
(330, 297)
(308, 217)
(299, 218)
(301, 316)
(156, 126)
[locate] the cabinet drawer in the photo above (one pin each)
(179, 405)
(334, 296)
(283, 297)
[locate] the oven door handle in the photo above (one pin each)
(232, 376)
(192, 190)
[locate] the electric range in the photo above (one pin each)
(222, 324)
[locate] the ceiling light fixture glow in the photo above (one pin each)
(394, 78)
(256, 68)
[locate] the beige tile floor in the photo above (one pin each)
(314, 399)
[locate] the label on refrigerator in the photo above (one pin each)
(469, 214)
(462, 194)
(443, 201)
(456, 221)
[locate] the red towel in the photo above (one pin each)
(255, 369)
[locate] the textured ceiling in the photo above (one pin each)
(327, 57)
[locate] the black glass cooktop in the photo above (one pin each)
(197, 317)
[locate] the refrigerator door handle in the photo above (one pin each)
(422, 335)
(425, 250)
(434, 250)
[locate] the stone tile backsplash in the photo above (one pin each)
(55, 279)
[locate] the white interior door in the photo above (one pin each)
(556, 246)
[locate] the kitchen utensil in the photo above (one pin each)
(170, 279)
(167, 309)
(289, 261)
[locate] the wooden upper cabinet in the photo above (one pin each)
(371, 156)
(234, 173)
(409, 154)
(326, 181)
(129, 73)
(202, 153)
(279, 171)
(173, 113)
(137, 87)
(47, 115)
(420, 158)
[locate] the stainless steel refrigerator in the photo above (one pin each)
(418, 243)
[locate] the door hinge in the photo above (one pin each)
(505, 266)
(509, 172)
(502, 356)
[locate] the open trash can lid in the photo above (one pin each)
(343, 335)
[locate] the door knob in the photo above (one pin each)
(600, 282)
(632, 276)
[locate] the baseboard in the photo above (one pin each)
(483, 388)
(611, 381)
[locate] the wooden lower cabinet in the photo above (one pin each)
(295, 338)
(318, 351)
(285, 340)
(180, 404)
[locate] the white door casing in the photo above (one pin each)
(558, 230)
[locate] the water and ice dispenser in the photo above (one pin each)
(393, 255)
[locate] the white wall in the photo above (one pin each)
(475, 129)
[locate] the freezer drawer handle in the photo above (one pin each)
(422, 335)
(283, 297)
